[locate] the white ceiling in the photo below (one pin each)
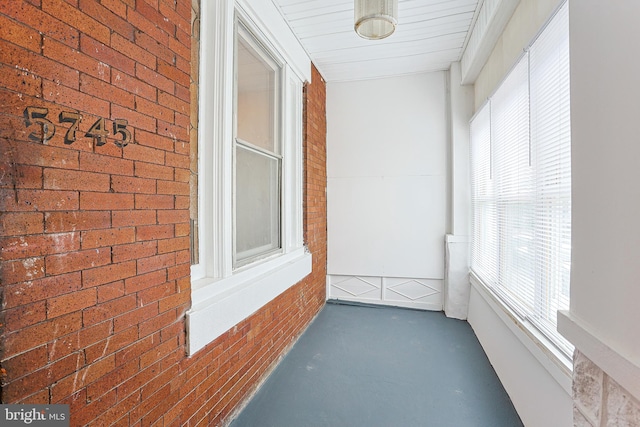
(430, 35)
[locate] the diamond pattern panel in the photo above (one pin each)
(414, 290)
(356, 286)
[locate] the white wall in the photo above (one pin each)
(605, 121)
(525, 23)
(387, 173)
(539, 389)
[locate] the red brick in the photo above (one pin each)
(119, 411)
(88, 374)
(23, 364)
(156, 18)
(182, 229)
(174, 301)
(105, 201)
(183, 93)
(154, 78)
(106, 91)
(40, 200)
(144, 154)
(173, 187)
(153, 109)
(106, 385)
(172, 102)
(172, 245)
(76, 261)
(155, 293)
(167, 9)
(40, 378)
(99, 50)
(108, 237)
(109, 273)
(133, 218)
(116, 6)
(39, 155)
(21, 223)
(145, 281)
(122, 253)
(149, 170)
(105, 164)
(156, 262)
(110, 291)
(147, 36)
(172, 217)
(178, 271)
(71, 302)
(41, 22)
(182, 147)
(39, 289)
(134, 317)
(73, 99)
(176, 132)
(37, 245)
(34, 336)
(177, 76)
(117, 24)
(134, 119)
(75, 59)
(155, 141)
(143, 201)
(177, 160)
(108, 310)
(56, 222)
(111, 345)
(136, 86)
(182, 175)
(76, 19)
(153, 232)
(59, 179)
(157, 323)
(19, 34)
(182, 120)
(20, 176)
(25, 315)
(21, 81)
(125, 46)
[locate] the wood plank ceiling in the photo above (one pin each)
(430, 35)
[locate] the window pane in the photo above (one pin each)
(257, 222)
(521, 182)
(255, 97)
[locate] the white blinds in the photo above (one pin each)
(521, 183)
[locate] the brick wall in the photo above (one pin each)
(94, 229)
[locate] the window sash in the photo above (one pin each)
(257, 163)
(521, 184)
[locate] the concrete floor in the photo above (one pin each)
(382, 366)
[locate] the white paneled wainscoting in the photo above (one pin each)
(419, 293)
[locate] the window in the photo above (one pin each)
(521, 184)
(257, 152)
(249, 171)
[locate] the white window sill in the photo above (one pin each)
(556, 363)
(218, 305)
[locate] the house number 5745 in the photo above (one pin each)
(98, 131)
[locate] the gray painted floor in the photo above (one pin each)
(382, 366)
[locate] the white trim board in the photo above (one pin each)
(556, 364)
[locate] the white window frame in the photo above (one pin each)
(487, 276)
(221, 295)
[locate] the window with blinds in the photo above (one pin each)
(521, 184)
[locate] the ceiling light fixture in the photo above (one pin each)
(375, 19)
